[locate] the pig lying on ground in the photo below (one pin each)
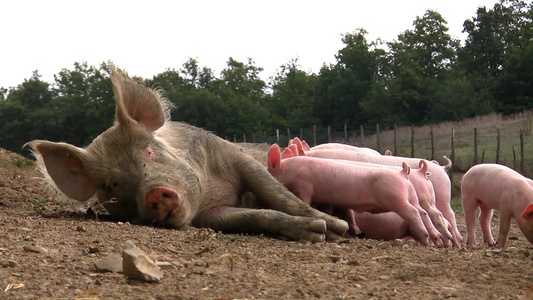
(439, 178)
(150, 170)
(493, 186)
(328, 181)
(425, 195)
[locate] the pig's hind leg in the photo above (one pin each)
(485, 216)
(244, 220)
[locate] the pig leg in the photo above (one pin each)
(243, 220)
(435, 236)
(505, 224)
(484, 219)
(276, 196)
(470, 205)
(443, 204)
(440, 223)
(412, 216)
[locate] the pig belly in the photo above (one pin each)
(383, 226)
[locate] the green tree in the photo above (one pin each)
(340, 88)
(291, 102)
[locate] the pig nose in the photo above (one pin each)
(161, 200)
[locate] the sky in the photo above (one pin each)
(147, 37)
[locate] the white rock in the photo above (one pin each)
(110, 263)
(137, 265)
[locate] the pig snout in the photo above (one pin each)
(161, 201)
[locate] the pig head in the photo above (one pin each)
(124, 165)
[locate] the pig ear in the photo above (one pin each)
(299, 147)
(423, 166)
(406, 169)
(274, 157)
(64, 164)
(138, 104)
(294, 150)
(305, 146)
(388, 152)
(287, 153)
(528, 212)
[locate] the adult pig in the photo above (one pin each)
(150, 170)
(493, 186)
(439, 178)
(331, 182)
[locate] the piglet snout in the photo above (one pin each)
(161, 201)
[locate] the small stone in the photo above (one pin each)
(80, 228)
(397, 242)
(334, 258)
(248, 255)
(4, 263)
(110, 263)
(137, 265)
(384, 245)
(12, 263)
(27, 238)
(93, 249)
(25, 223)
(384, 277)
(36, 249)
(165, 265)
(354, 262)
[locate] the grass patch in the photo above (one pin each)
(22, 162)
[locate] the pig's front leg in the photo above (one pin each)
(276, 196)
(244, 220)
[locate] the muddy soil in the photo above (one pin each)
(207, 264)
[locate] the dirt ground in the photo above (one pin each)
(206, 264)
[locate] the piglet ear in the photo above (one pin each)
(528, 212)
(64, 164)
(137, 104)
(406, 169)
(274, 158)
(305, 146)
(287, 153)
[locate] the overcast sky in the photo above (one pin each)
(146, 37)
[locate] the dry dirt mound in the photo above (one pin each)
(205, 264)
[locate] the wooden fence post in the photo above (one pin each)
(253, 138)
(522, 163)
(432, 156)
(498, 141)
(345, 133)
(234, 138)
(301, 133)
(395, 143)
(362, 136)
(244, 138)
(378, 142)
(476, 156)
(412, 141)
(288, 133)
(452, 155)
(277, 136)
(329, 133)
(314, 135)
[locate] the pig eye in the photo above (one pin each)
(114, 185)
(149, 153)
